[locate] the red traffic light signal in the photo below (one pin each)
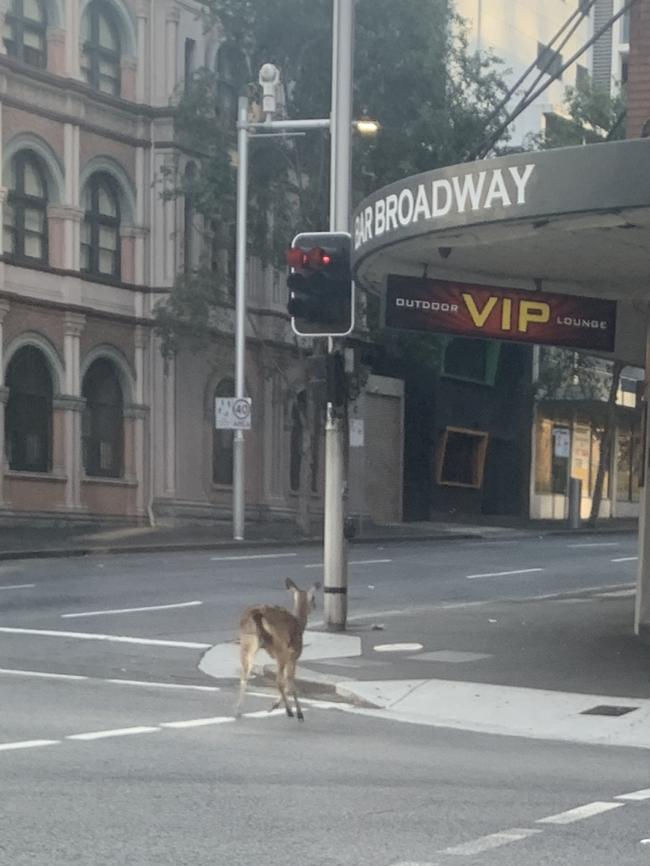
(321, 302)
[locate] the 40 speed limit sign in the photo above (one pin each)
(232, 413)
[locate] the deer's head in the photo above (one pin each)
(304, 600)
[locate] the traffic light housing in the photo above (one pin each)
(321, 291)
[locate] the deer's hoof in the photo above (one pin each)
(301, 718)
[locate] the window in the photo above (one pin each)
(25, 212)
(190, 54)
(548, 60)
(582, 76)
(474, 360)
(102, 426)
(188, 217)
(25, 32)
(461, 457)
(100, 232)
(625, 27)
(297, 428)
(222, 441)
(228, 63)
(101, 49)
(28, 440)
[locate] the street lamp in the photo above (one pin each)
(366, 126)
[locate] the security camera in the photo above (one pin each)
(269, 80)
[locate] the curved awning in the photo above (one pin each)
(572, 220)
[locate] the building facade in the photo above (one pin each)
(94, 422)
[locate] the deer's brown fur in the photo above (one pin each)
(279, 632)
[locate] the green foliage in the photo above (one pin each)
(593, 115)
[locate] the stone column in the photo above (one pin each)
(56, 59)
(4, 396)
(171, 39)
(73, 29)
(141, 80)
(72, 405)
(128, 76)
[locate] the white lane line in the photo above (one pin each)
(113, 638)
(118, 732)
(263, 714)
(635, 795)
(251, 556)
(487, 843)
(504, 573)
(19, 586)
(353, 562)
(27, 744)
(198, 723)
(597, 544)
(626, 559)
(73, 677)
(580, 813)
(131, 609)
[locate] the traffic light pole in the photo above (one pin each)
(335, 546)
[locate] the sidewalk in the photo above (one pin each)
(26, 541)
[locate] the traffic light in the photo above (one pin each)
(321, 292)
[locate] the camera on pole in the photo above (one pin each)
(321, 301)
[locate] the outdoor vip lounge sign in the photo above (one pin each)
(503, 314)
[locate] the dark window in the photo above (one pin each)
(102, 429)
(625, 70)
(101, 49)
(188, 218)
(190, 53)
(297, 429)
(28, 440)
(548, 60)
(25, 32)
(582, 76)
(228, 65)
(222, 441)
(25, 213)
(461, 457)
(100, 232)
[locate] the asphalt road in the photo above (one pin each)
(102, 772)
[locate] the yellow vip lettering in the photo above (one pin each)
(533, 312)
(479, 317)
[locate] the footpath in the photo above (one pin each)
(26, 541)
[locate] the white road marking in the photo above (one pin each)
(131, 609)
(597, 544)
(198, 723)
(27, 744)
(19, 586)
(580, 813)
(504, 573)
(635, 795)
(145, 683)
(118, 732)
(263, 714)
(353, 562)
(626, 559)
(621, 593)
(113, 638)
(397, 647)
(251, 556)
(487, 843)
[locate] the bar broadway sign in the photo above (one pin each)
(504, 314)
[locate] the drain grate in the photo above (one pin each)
(608, 710)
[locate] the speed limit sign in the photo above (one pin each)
(232, 413)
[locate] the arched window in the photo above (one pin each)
(100, 237)
(28, 419)
(228, 74)
(297, 429)
(188, 218)
(101, 48)
(25, 32)
(222, 441)
(25, 212)
(102, 428)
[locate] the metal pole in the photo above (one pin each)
(238, 502)
(335, 552)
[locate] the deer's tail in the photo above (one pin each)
(265, 630)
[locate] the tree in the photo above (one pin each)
(413, 72)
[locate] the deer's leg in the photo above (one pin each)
(290, 672)
(280, 681)
(247, 649)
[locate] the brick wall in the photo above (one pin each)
(638, 86)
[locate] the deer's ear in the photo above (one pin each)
(290, 585)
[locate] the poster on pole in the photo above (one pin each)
(232, 413)
(562, 441)
(357, 433)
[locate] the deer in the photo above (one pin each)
(279, 632)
